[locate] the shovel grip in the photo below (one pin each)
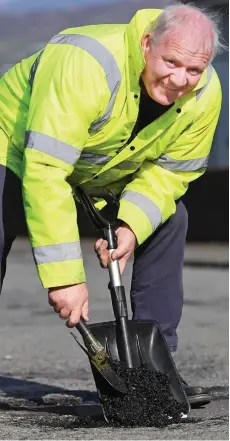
(119, 301)
(90, 341)
(114, 272)
(83, 328)
(110, 236)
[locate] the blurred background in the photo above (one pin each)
(26, 26)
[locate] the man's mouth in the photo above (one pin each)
(169, 88)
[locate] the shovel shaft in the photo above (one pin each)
(125, 343)
(119, 301)
(114, 272)
(82, 328)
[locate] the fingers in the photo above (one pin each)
(64, 313)
(100, 246)
(120, 251)
(124, 250)
(74, 318)
(126, 240)
(97, 244)
(70, 302)
(102, 252)
(76, 314)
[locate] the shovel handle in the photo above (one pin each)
(114, 272)
(94, 214)
(82, 328)
(92, 344)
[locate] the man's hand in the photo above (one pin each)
(71, 302)
(126, 242)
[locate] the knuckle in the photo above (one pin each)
(70, 324)
(52, 297)
(101, 252)
(64, 313)
(98, 243)
(51, 303)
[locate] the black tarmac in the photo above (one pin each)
(147, 403)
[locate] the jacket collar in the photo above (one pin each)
(134, 32)
(203, 80)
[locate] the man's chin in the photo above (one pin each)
(162, 99)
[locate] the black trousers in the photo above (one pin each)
(11, 211)
(156, 289)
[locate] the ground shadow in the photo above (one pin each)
(18, 388)
(31, 396)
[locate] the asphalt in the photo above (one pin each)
(46, 382)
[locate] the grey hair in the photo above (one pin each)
(169, 18)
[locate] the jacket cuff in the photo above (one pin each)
(61, 273)
(132, 215)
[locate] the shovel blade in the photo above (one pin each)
(148, 346)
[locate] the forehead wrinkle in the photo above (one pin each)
(187, 57)
(189, 41)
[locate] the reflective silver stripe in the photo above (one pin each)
(52, 146)
(107, 61)
(128, 165)
(95, 159)
(104, 118)
(185, 165)
(150, 209)
(104, 159)
(200, 92)
(57, 253)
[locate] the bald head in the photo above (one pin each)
(194, 32)
(194, 29)
(186, 15)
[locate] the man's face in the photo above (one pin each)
(174, 64)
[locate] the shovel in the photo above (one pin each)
(134, 342)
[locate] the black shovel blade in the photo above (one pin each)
(101, 364)
(148, 346)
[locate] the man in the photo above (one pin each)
(132, 108)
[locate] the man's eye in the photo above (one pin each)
(195, 71)
(171, 62)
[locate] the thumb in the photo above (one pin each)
(119, 252)
(122, 264)
(85, 311)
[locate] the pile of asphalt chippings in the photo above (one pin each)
(148, 402)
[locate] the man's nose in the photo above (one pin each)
(179, 77)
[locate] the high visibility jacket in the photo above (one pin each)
(66, 114)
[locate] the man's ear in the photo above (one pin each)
(146, 43)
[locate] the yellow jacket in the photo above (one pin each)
(66, 112)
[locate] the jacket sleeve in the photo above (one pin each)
(149, 200)
(65, 101)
